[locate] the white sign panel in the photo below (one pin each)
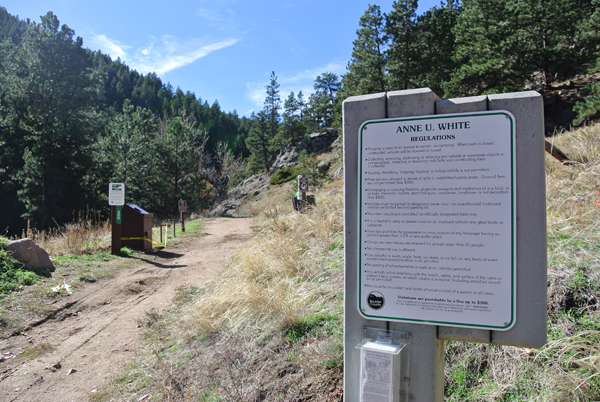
(437, 221)
(116, 194)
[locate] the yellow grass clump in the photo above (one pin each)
(279, 276)
(87, 234)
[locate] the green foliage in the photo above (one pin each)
(72, 259)
(272, 105)
(500, 45)
(26, 278)
(13, 273)
(292, 129)
(308, 166)
(285, 175)
(366, 69)
(72, 120)
(312, 325)
(401, 29)
(259, 144)
(126, 252)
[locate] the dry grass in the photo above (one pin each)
(87, 234)
(276, 277)
(567, 368)
(268, 327)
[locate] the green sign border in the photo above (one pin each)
(513, 310)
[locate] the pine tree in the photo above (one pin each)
(435, 45)
(291, 129)
(366, 69)
(324, 101)
(403, 55)
(181, 143)
(48, 92)
(129, 153)
(259, 142)
(272, 105)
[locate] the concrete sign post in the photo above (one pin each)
(116, 199)
(445, 230)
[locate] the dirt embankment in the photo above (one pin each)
(96, 331)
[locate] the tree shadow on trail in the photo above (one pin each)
(165, 255)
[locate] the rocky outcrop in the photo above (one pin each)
(226, 208)
(315, 143)
(27, 252)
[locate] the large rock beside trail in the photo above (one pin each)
(226, 208)
(27, 252)
(315, 143)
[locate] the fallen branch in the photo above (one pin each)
(558, 154)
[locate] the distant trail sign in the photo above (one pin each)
(116, 194)
(437, 220)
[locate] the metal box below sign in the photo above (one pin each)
(136, 228)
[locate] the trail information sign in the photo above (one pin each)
(116, 194)
(437, 221)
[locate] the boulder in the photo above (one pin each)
(27, 252)
(323, 166)
(226, 208)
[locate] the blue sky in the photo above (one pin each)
(221, 50)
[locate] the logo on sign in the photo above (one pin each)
(375, 300)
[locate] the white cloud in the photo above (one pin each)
(160, 56)
(256, 93)
(170, 54)
(109, 46)
(312, 74)
(209, 15)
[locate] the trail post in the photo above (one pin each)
(445, 234)
(116, 200)
(182, 210)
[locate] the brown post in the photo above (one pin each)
(182, 221)
(115, 245)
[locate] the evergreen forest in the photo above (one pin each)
(73, 120)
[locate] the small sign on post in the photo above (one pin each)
(116, 200)
(182, 210)
(302, 186)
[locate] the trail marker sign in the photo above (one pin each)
(302, 184)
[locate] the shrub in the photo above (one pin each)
(285, 175)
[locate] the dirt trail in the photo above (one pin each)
(96, 333)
